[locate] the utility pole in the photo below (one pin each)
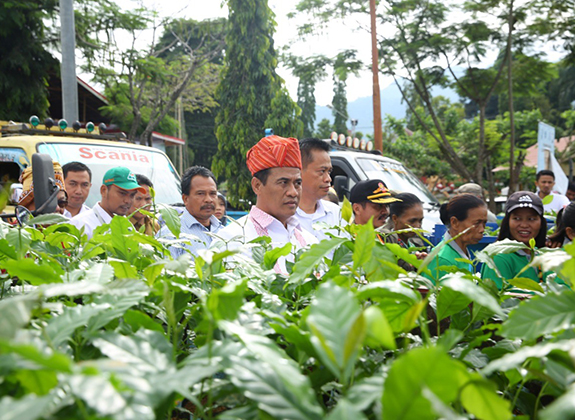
(68, 66)
(377, 125)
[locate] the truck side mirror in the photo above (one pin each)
(45, 188)
(340, 185)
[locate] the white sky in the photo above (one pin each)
(337, 39)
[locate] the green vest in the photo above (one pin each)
(509, 266)
(446, 257)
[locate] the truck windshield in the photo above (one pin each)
(100, 158)
(397, 178)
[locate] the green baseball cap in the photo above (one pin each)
(123, 178)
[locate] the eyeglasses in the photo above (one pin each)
(62, 203)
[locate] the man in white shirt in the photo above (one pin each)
(78, 180)
(275, 164)
(316, 180)
(200, 194)
(119, 187)
(552, 201)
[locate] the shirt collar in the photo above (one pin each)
(265, 220)
(190, 220)
(102, 213)
(454, 245)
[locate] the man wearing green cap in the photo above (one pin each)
(119, 187)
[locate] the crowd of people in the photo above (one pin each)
(292, 183)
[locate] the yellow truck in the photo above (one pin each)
(18, 142)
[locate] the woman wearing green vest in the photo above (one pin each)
(523, 221)
(465, 216)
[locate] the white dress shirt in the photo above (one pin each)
(557, 203)
(91, 219)
(259, 223)
(325, 212)
(83, 209)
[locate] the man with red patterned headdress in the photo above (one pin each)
(275, 164)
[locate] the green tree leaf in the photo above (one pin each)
(337, 336)
(344, 410)
(346, 210)
(479, 397)
(560, 409)
(271, 256)
(379, 332)
(225, 303)
(458, 283)
(310, 259)
(363, 245)
(172, 219)
(124, 270)
(16, 313)
(29, 407)
(450, 302)
(541, 315)
(61, 327)
(34, 272)
(39, 382)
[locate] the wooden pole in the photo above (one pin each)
(377, 125)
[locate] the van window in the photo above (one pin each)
(100, 158)
(396, 177)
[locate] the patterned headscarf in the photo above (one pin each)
(27, 196)
(274, 152)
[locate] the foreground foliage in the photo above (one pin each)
(113, 327)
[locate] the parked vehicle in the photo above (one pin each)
(18, 142)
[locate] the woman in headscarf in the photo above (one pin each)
(27, 197)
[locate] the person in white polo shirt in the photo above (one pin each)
(316, 180)
(552, 201)
(119, 187)
(78, 180)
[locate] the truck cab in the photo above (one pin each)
(357, 166)
(18, 142)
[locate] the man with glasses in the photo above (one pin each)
(119, 188)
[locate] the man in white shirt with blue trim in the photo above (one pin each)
(119, 187)
(316, 180)
(200, 194)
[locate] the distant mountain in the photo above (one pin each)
(362, 108)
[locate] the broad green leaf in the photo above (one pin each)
(33, 272)
(547, 199)
(118, 300)
(515, 359)
(124, 270)
(541, 315)
(29, 407)
(98, 393)
(271, 256)
(505, 246)
(99, 273)
(563, 408)
(387, 290)
(152, 272)
(76, 288)
(225, 303)
(148, 351)
(363, 245)
(396, 313)
(379, 332)
(310, 259)
(449, 339)
(458, 283)
(415, 371)
(138, 319)
(49, 360)
(526, 284)
(479, 398)
(172, 218)
(16, 313)
(450, 302)
(271, 378)
(344, 410)
(62, 239)
(439, 407)
(39, 382)
(61, 327)
(404, 254)
(346, 210)
(47, 219)
(366, 391)
(7, 250)
(337, 335)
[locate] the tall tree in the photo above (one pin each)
(309, 71)
(248, 86)
(24, 59)
(344, 64)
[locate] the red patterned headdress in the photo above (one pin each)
(274, 152)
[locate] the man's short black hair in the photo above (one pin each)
(263, 175)
(543, 173)
(571, 186)
(76, 167)
(307, 146)
(144, 180)
(192, 172)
